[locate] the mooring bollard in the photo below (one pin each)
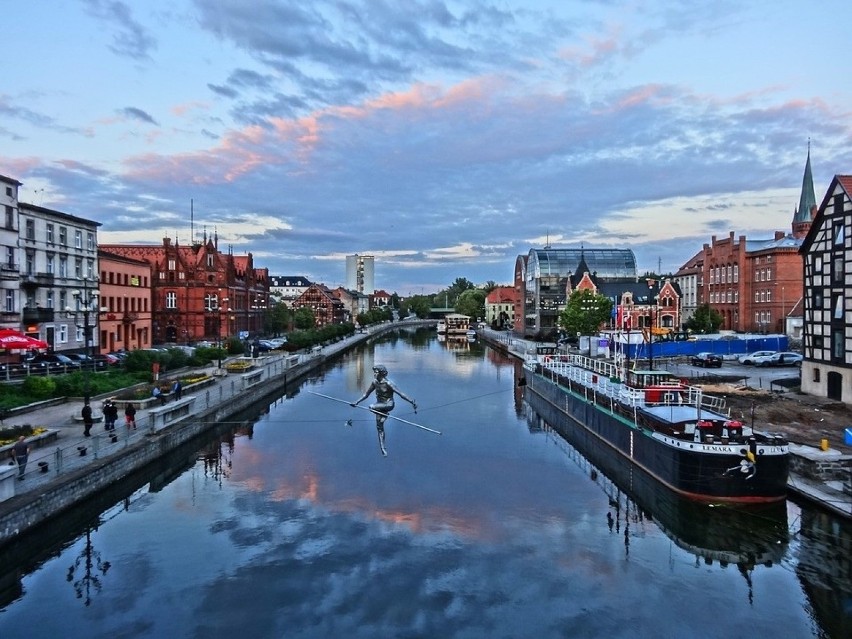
(81, 450)
(43, 466)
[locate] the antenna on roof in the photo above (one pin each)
(547, 242)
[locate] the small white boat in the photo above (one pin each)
(442, 327)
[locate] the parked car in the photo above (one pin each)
(708, 360)
(750, 358)
(88, 362)
(780, 359)
(53, 361)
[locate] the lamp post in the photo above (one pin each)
(86, 305)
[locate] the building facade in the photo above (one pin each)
(59, 263)
(10, 273)
(546, 274)
(286, 288)
(500, 307)
(755, 284)
(327, 309)
(827, 299)
(199, 293)
(360, 274)
(125, 316)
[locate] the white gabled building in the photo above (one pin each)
(827, 323)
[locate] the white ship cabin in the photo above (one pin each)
(456, 323)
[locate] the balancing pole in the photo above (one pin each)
(376, 412)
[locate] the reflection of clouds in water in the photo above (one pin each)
(335, 574)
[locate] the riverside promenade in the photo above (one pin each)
(814, 474)
(69, 467)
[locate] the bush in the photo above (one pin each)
(39, 387)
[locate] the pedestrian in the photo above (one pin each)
(176, 389)
(110, 415)
(87, 420)
(21, 452)
(156, 392)
(130, 416)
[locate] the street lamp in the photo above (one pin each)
(86, 302)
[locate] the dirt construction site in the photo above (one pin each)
(802, 419)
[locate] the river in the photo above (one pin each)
(291, 523)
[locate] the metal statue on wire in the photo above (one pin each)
(385, 390)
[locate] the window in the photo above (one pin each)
(10, 300)
(171, 265)
(63, 333)
(10, 257)
(78, 239)
(837, 343)
(211, 302)
(63, 236)
(51, 263)
(171, 300)
(30, 229)
(30, 263)
(50, 297)
(10, 218)
(837, 305)
(816, 374)
(63, 266)
(837, 270)
(837, 232)
(90, 241)
(736, 273)
(50, 234)
(90, 269)
(78, 268)
(9, 191)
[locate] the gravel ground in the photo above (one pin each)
(803, 419)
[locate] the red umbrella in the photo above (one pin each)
(15, 340)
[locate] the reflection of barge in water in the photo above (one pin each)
(662, 425)
(731, 535)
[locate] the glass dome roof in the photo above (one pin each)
(604, 263)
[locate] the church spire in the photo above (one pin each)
(807, 201)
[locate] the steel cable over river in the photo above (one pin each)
(289, 522)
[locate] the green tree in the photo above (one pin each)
(277, 319)
(706, 319)
(471, 303)
(585, 313)
(304, 319)
(420, 305)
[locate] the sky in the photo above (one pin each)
(443, 138)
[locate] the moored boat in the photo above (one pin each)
(669, 429)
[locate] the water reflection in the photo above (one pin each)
(747, 538)
(86, 571)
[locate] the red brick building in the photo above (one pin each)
(198, 293)
(755, 284)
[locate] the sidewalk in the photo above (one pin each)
(62, 455)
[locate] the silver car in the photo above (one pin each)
(752, 358)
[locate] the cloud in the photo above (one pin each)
(130, 38)
(138, 114)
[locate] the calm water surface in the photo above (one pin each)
(294, 525)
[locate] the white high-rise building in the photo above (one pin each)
(359, 273)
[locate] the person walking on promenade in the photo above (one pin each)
(87, 420)
(21, 452)
(156, 392)
(110, 411)
(130, 417)
(176, 389)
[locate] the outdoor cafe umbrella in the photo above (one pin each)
(11, 340)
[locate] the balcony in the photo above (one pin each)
(9, 271)
(36, 315)
(35, 280)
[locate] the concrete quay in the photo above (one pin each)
(821, 477)
(70, 467)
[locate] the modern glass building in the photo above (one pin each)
(546, 274)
